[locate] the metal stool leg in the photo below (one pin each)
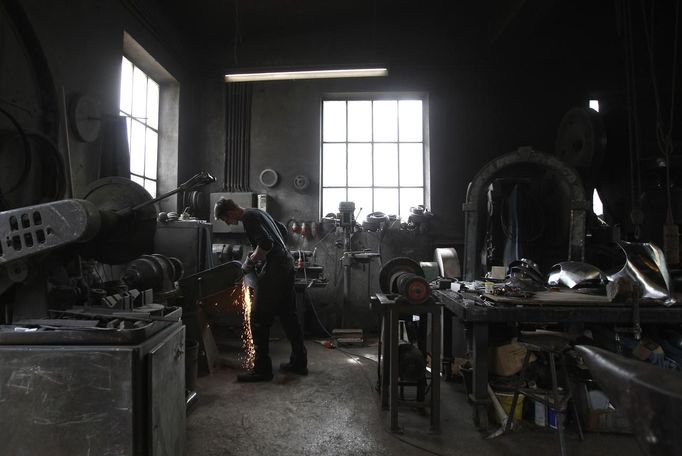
(522, 380)
(571, 397)
(557, 405)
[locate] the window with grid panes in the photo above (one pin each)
(373, 155)
(140, 105)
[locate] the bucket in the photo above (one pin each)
(540, 413)
(191, 364)
(506, 403)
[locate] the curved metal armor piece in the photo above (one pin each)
(576, 274)
(649, 395)
(645, 264)
(526, 274)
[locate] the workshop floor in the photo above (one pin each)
(335, 410)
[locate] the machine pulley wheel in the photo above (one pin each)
(131, 236)
(393, 269)
(581, 142)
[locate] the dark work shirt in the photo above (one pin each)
(266, 232)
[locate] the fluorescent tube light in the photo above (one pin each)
(307, 74)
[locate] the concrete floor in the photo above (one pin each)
(336, 411)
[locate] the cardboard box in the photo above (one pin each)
(507, 360)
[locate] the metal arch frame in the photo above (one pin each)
(471, 207)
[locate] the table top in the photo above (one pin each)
(553, 306)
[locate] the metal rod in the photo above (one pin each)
(122, 315)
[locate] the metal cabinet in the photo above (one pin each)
(94, 399)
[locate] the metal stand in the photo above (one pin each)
(391, 306)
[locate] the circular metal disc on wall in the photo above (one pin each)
(85, 117)
(130, 238)
(269, 177)
(301, 182)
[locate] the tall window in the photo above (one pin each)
(597, 205)
(373, 155)
(140, 104)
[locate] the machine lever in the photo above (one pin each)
(198, 180)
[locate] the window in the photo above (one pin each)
(140, 105)
(597, 206)
(373, 155)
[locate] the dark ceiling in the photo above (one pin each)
(502, 28)
(218, 21)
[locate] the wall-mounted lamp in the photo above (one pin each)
(306, 74)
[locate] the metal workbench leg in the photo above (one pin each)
(557, 405)
(393, 394)
(480, 380)
(436, 319)
(386, 355)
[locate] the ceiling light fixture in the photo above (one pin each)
(306, 74)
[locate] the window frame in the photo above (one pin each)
(143, 121)
(372, 97)
(169, 115)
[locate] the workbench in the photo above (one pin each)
(543, 308)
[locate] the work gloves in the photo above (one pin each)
(248, 266)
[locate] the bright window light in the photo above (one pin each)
(594, 104)
(139, 103)
(373, 155)
(597, 206)
(306, 74)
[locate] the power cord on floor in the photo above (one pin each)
(369, 380)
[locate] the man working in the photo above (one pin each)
(274, 291)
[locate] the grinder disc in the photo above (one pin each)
(396, 266)
(131, 237)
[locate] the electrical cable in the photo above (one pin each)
(59, 166)
(669, 136)
(663, 138)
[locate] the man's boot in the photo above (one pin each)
(298, 361)
(294, 367)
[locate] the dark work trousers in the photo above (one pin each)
(275, 296)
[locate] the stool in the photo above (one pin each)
(555, 346)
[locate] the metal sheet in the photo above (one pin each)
(649, 395)
(59, 400)
(576, 274)
(92, 400)
(166, 363)
(646, 265)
